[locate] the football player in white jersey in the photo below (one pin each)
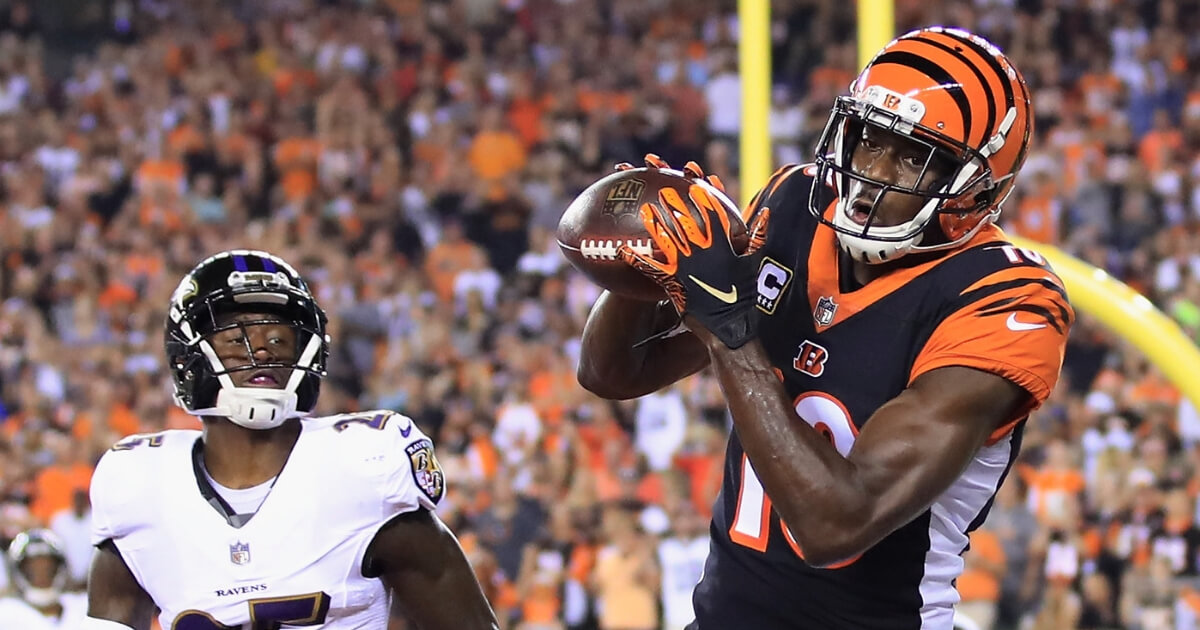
(270, 518)
(38, 569)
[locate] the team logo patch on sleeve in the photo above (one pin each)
(426, 470)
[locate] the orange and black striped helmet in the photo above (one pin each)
(958, 96)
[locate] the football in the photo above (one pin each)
(605, 215)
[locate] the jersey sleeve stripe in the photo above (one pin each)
(1040, 296)
(971, 296)
(1040, 311)
(1000, 306)
(997, 304)
(1039, 301)
(1028, 272)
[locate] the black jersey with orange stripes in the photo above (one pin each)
(842, 355)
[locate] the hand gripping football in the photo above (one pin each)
(605, 215)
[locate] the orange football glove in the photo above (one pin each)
(691, 169)
(701, 273)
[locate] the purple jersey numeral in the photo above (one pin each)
(378, 421)
(265, 614)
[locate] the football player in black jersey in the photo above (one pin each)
(880, 344)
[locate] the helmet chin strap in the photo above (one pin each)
(255, 408)
(258, 408)
(877, 250)
(41, 597)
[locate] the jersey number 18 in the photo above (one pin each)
(751, 521)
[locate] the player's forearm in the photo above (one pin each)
(812, 487)
(611, 367)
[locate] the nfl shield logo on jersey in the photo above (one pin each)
(824, 311)
(239, 552)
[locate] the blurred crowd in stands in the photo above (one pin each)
(412, 157)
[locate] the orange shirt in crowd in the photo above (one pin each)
(496, 154)
(1100, 92)
(168, 216)
(483, 458)
(541, 604)
(626, 603)
(122, 420)
(55, 486)
(1157, 146)
(183, 139)
(1051, 491)
(116, 293)
(979, 584)
(1079, 153)
(525, 117)
(144, 265)
(614, 101)
(547, 389)
(539, 600)
(1191, 599)
(444, 262)
(296, 159)
(704, 473)
(1037, 218)
(1153, 389)
(284, 79)
(180, 419)
(161, 175)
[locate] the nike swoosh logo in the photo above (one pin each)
(1017, 326)
(728, 297)
(406, 429)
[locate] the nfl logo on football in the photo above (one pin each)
(824, 311)
(239, 553)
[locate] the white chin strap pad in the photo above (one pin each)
(874, 250)
(41, 596)
(256, 407)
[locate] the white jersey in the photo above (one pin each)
(17, 614)
(682, 563)
(298, 559)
